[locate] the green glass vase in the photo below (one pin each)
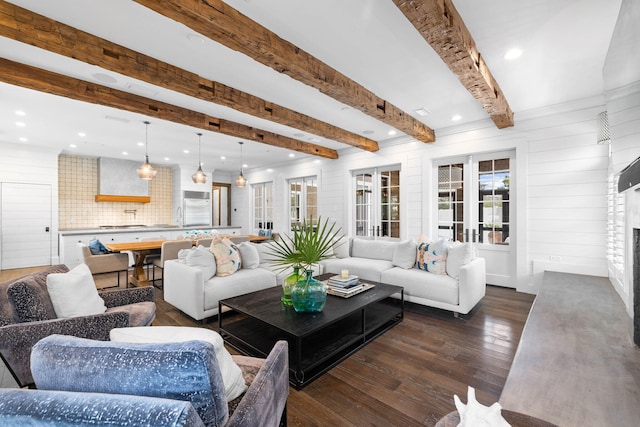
(308, 294)
(287, 286)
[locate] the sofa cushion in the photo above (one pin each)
(30, 300)
(140, 313)
(200, 257)
(242, 282)
(342, 248)
(186, 371)
(249, 256)
(373, 249)
(234, 383)
(458, 254)
(422, 284)
(405, 254)
(432, 256)
(364, 268)
(227, 256)
(74, 293)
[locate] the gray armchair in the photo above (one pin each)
(106, 263)
(83, 382)
(27, 315)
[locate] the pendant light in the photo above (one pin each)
(146, 171)
(199, 177)
(241, 181)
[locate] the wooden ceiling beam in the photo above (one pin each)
(18, 74)
(28, 27)
(442, 27)
(225, 25)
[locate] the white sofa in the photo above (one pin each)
(186, 288)
(394, 262)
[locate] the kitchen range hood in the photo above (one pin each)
(119, 182)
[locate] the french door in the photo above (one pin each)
(377, 202)
(475, 204)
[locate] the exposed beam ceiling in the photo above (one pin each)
(218, 21)
(46, 81)
(27, 27)
(440, 24)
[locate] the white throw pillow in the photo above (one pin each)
(342, 248)
(405, 254)
(74, 293)
(249, 255)
(458, 254)
(234, 384)
(200, 257)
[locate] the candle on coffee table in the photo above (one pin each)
(344, 273)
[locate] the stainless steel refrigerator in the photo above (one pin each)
(196, 208)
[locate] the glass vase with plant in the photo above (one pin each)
(309, 244)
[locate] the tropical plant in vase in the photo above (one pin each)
(308, 245)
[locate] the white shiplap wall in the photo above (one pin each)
(23, 164)
(562, 208)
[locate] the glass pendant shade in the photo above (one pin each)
(146, 171)
(199, 177)
(241, 181)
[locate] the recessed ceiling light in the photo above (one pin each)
(82, 134)
(422, 112)
(223, 158)
(166, 159)
(513, 54)
(367, 132)
(245, 166)
(186, 151)
(316, 161)
(291, 155)
(195, 38)
(20, 124)
(391, 132)
(140, 144)
(104, 78)
(456, 117)
(72, 145)
(269, 170)
(124, 153)
(20, 113)
(23, 139)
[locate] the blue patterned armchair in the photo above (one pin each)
(82, 382)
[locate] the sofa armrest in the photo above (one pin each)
(17, 339)
(119, 297)
(473, 284)
(183, 288)
(265, 401)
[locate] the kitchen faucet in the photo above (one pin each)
(179, 215)
(131, 211)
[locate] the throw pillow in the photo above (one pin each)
(458, 254)
(249, 255)
(201, 258)
(405, 254)
(342, 248)
(432, 257)
(234, 384)
(75, 293)
(227, 256)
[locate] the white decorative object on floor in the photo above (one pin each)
(474, 414)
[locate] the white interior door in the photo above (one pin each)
(476, 204)
(25, 224)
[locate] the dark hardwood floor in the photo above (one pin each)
(408, 376)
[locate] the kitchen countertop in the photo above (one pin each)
(133, 229)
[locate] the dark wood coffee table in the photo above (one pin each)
(317, 341)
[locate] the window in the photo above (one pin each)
(303, 200)
(615, 228)
(493, 201)
(263, 206)
(451, 202)
(377, 202)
